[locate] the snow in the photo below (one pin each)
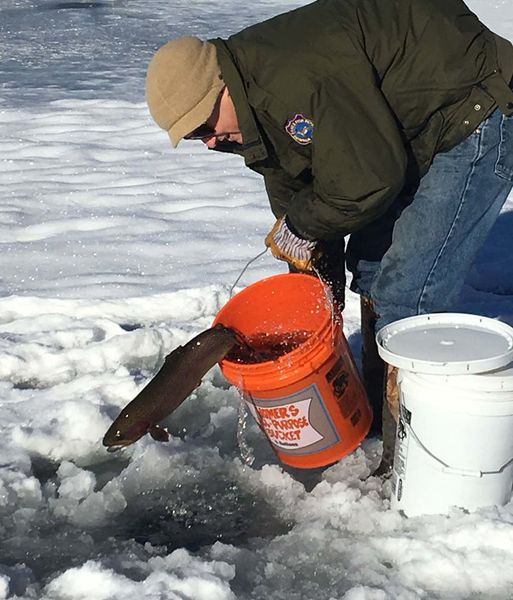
(114, 250)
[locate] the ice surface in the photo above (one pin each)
(115, 250)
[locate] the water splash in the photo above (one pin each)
(335, 317)
(246, 451)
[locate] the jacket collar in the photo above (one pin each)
(253, 148)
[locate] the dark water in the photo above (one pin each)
(212, 507)
(266, 347)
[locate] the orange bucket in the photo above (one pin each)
(306, 396)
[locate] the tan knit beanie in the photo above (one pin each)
(182, 85)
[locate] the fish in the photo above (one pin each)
(178, 377)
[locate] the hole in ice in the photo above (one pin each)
(75, 5)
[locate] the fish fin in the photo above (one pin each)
(159, 434)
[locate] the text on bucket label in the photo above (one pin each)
(295, 423)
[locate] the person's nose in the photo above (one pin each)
(209, 141)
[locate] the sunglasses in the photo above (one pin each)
(205, 131)
(201, 132)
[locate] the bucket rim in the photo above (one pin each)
(307, 277)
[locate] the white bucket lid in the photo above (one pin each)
(446, 343)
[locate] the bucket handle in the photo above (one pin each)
(447, 468)
(244, 270)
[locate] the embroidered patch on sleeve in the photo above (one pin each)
(300, 129)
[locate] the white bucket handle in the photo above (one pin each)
(447, 468)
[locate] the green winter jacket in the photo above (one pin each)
(343, 103)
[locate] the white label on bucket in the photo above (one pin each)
(287, 426)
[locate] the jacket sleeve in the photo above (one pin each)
(281, 189)
(358, 161)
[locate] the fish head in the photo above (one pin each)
(118, 437)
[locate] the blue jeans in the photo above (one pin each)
(437, 236)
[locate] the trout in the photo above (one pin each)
(179, 376)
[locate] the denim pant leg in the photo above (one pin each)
(437, 237)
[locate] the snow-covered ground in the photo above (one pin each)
(114, 249)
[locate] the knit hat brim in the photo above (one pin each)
(195, 117)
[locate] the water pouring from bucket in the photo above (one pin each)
(298, 378)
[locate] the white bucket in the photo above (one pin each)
(454, 444)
